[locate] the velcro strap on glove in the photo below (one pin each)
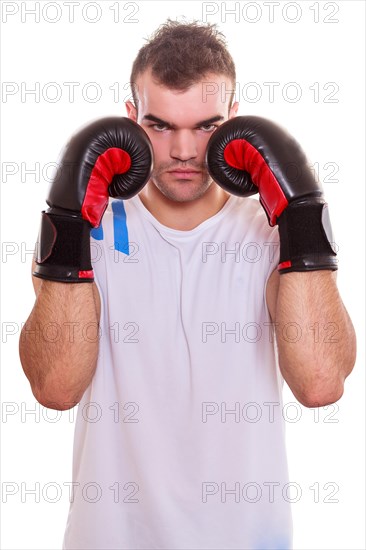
(306, 237)
(63, 252)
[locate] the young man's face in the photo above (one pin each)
(179, 125)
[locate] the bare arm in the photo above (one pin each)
(315, 336)
(59, 342)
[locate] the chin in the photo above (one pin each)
(183, 192)
(185, 196)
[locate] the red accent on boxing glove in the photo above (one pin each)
(113, 161)
(240, 154)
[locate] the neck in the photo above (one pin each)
(186, 215)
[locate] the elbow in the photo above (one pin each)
(325, 384)
(50, 397)
(313, 399)
(321, 394)
(50, 392)
(60, 403)
(56, 401)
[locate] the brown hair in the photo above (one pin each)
(180, 54)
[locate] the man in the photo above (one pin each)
(179, 442)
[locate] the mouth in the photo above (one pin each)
(184, 174)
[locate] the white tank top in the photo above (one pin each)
(179, 439)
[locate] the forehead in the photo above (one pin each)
(204, 99)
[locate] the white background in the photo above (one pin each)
(306, 47)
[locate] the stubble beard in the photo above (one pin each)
(181, 191)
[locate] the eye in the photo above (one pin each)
(208, 127)
(159, 127)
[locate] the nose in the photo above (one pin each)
(183, 145)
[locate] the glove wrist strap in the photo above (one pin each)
(63, 252)
(306, 241)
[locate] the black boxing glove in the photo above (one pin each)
(249, 154)
(111, 157)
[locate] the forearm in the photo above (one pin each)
(315, 336)
(59, 343)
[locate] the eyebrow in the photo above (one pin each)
(206, 122)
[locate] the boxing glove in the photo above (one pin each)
(249, 154)
(110, 157)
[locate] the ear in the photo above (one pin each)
(131, 111)
(234, 110)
